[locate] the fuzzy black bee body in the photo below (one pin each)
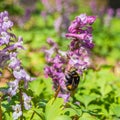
(72, 80)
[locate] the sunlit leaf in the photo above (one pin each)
(37, 87)
(63, 117)
(87, 116)
(115, 109)
(86, 99)
(54, 108)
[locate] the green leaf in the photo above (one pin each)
(72, 112)
(86, 99)
(37, 87)
(62, 117)
(7, 116)
(105, 90)
(115, 109)
(54, 108)
(87, 116)
(104, 111)
(39, 114)
(93, 107)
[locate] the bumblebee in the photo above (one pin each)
(72, 80)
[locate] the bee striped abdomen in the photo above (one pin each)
(72, 80)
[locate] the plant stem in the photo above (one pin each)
(21, 102)
(40, 115)
(32, 115)
(0, 109)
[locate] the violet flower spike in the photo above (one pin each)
(77, 57)
(10, 46)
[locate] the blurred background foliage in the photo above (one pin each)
(98, 92)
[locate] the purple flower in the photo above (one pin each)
(97, 9)
(21, 74)
(62, 22)
(17, 111)
(13, 86)
(118, 12)
(19, 43)
(110, 12)
(49, 53)
(10, 47)
(59, 5)
(93, 6)
(80, 22)
(5, 23)
(5, 38)
(91, 19)
(64, 96)
(14, 62)
(27, 101)
(16, 46)
(48, 5)
(76, 58)
(57, 23)
(108, 17)
(81, 30)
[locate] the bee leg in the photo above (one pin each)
(56, 93)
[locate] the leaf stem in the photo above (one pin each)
(40, 115)
(32, 115)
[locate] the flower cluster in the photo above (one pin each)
(17, 108)
(9, 51)
(76, 58)
(10, 45)
(62, 22)
(104, 12)
(64, 8)
(52, 6)
(97, 9)
(108, 17)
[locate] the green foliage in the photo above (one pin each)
(53, 108)
(98, 94)
(107, 39)
(9, 6)
(37, 87)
